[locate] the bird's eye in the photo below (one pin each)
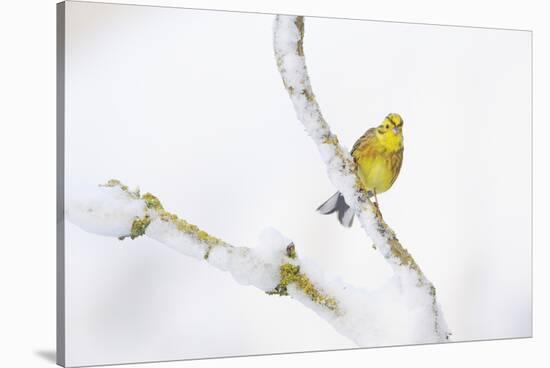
(387, 126)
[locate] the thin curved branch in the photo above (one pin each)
(288, 38)
(404, 311)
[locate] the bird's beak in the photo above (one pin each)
(395, 130)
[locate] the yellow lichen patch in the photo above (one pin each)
(331, 139)
(396, 249)
(290, 274)
(404, 257)
(436, 313)
(299, 22)
(348, 165)
(154, 205)
(116, 183)
(167, 216)
(152, 202)
(291, 251)
(185, 226)
(309, 95)
(138, 226)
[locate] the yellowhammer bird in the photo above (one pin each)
(378, 155)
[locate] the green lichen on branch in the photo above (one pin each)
(348, 164)
(139, 225)
(299, 22)
(189, 229)
(397, 251)
(291, 251)
(331, 139)
(116, 183)
(290, 274)
(435, 310)
(153, 203)
(404, 257)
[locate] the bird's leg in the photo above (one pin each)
(377, 213)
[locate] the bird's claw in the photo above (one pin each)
(377, 211)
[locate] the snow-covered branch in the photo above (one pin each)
(403, 311)
(395, 314)
(288, 45)
(114, 210)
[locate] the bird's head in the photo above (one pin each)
(390, 132)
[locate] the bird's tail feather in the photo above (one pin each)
(336, 203)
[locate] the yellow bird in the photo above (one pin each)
(378, 155)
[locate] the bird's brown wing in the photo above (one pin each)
(395, 162)
(363, 141)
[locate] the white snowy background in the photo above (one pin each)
(189, 105)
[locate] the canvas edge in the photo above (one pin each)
(60, 179)
(60, 184)
(532, 171)
(310, 15)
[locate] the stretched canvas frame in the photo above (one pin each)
(403, 309)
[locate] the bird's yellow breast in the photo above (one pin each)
(376, 172)
(378, 161)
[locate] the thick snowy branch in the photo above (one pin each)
(289, 53)
(395, 314)
(115, 210)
